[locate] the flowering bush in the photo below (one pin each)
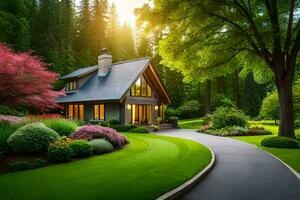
(90, 132)
(12, 119)
(60, 150)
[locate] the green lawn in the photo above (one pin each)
(190, 123)
(150, 166)
(289, 156)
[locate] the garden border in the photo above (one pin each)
(180, 190)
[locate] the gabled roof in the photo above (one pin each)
(111, 87)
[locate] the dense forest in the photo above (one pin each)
(69, 36)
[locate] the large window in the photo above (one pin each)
(141, 88)
(75, 111)
(99, 112)
(71, 86)
(140, 114)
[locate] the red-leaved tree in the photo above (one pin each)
(25, 80)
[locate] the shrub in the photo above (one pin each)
(62, 126)
(81, 148)
(6, 129)
(80, 123)
(104, 124)
(228, 117)
(38, 163)
(4, 110)
(190, 109)
(155, 128)
(206, 120)
(31, 138)
(221, 100)
(159, 120)
(100, 146)
(20, 165)
(280, 142)
(172, 112)
(123, 128)
(297, 123)
(90, 132)
(113, 121)
(139, 129)
(174, 121)
(60, 151)
(203, 128)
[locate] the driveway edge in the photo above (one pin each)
(284, 163)
(177, 192)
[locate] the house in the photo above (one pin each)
(128, 91)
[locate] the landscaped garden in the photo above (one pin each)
(147, 167)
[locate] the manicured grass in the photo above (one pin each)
(190, 123)
(289, 156)
(148, 167)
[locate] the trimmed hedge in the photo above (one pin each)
(100, 146)
(81, 148)
(20, 165)
(62, 126)
(280, 142)
(123, 128)
(31, 138)
(6, 130)
(139, 129)
(60, 151)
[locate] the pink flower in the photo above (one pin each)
(90, 132)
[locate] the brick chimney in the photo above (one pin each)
(104, 63)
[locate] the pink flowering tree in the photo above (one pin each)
(25, 80)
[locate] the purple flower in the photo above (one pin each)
(90, 132)
(11, 119)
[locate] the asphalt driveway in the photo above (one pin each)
(242, 172)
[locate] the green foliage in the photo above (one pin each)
(6, 129)
(155, 128)
(60, 151)
(113, 121)
(270, 106)
(123, 128)
(20, 165)
(31, 138)
(190, 109)
(228, 117)
(172, 112)
(4, 110)
(104, 124)
(81, 148)
(139, 129)
(38, 163)
(220, 100)
(101, 146)
(280, 142)
(63, 127)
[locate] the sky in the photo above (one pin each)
(125, 9)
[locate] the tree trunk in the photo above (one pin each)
(286, 111)
(208, 97)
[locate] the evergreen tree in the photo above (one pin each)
(125, 38)
(84, 49)
(15, 16)
(99, 25)
(112, 31)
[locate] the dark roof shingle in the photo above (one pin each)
(111, 87)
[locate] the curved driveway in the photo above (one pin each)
(241, 172)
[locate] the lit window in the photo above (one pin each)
(99, 112)
(71, 86)
(141, 88)
(75, 111)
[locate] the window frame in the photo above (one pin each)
(99, 107)
(80, 107)
(71, 86)
(148, 93)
